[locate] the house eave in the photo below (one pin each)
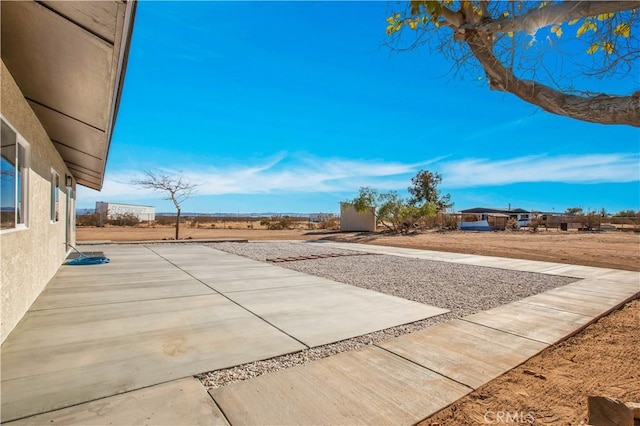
(69, 60)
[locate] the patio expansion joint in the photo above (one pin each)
(120, 302)
(425, 368)
(504, 331)
(610, 309)
(213, 400)
(256, 290)
(9, 422)
(229, 299)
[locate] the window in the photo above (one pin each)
(55, 196)
(14, 174)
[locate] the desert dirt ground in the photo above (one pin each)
(618, 250)
(126, 233)
(550, 388)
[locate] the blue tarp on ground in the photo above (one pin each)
(478, 225)
(93, 260)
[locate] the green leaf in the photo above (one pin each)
(623, 30)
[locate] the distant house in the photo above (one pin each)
(62, 70)
(484, 213)
(116, 210)
(321, 217)
(488, 219)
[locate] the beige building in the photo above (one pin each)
(352, 220)
(115, 210)
(62, 71)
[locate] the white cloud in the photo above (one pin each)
(282, 174)
(500, 128)
(585, 169)
(278, 174)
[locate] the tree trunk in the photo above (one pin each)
(178, 224)
(603, 109)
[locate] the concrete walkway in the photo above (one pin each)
(157, 313)
(399, 381)
(406, 379)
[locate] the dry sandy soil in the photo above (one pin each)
(618, 250)
(121, 233)
(550, 388)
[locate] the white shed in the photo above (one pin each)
(353, 220)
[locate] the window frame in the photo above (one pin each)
(54, 215)
(21, 188)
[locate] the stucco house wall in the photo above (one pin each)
(30, 257)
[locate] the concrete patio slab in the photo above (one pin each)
(227, 273)
(606, 289)
(499, 262)
(95, 279)
(545, 325)
(577, 271)
(218, 277)
(81, 295)
(60, 357)
(332, 311)
(145, 318)
(629, 277)
(270, 280)
(180, 402)
(468, 353)
(312, 309)
(163, 312)
(117, 269)
(175, 251)
(367, 386)
(582, 301)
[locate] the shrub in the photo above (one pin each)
(125, 219)
(535, 223)
(166, 220)
(276, 223)
(512, 224)
(590, 221)
(450, 221)
(88, 220)
(329, 223)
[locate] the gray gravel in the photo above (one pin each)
(464, 289)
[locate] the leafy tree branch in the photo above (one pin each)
(501, 36)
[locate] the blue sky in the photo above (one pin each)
(292, 106)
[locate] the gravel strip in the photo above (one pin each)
(464, 289)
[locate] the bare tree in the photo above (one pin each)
(177, 188)
(519, 45)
